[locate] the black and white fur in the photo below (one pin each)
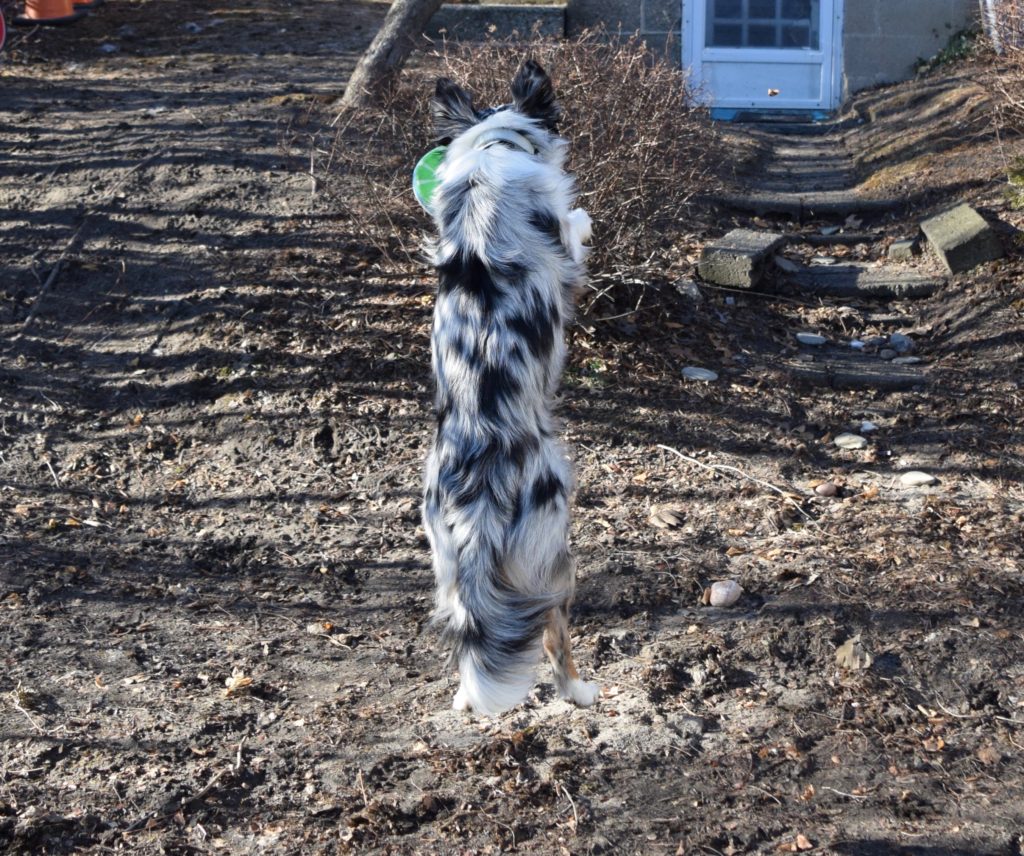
(510, 255)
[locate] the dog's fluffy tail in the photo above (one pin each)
(497, 635)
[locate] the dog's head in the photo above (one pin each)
(533, 96)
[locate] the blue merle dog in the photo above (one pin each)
(510, 256)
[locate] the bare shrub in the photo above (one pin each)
(640, 148)
(1004, 25)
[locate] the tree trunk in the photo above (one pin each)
(388, 50)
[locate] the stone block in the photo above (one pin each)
(738, 258)
(962, 239)
(476, 22)
(904, 251)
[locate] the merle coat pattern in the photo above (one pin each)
(509, 254)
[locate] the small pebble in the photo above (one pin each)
(824, 260)
(902, 343)
(907, 361)
(696, 373)
(826, 489)
(109, 48)
(850, 441)
(887, 354)
(724, 593)
(875, 341)
(787, 265)
(810, 339)
(916, 478)
(857, 345)
(829, 230)
(867, 427)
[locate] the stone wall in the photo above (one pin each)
(885, 38)
(471, 22)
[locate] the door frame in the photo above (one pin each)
(694, 53)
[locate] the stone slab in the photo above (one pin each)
(738, 258)
(477, 22)
(853, 370)
(962, 239)
(903, 251)
(860, 281)
(807, 205)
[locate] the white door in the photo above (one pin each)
(765, 54)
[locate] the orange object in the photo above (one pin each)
(48, 12)
(86, 4)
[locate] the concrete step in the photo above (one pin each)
(844, 369)
(806, 205)
(864, 281)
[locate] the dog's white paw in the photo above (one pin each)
(582, 225)
(582, 693)
(461, 700)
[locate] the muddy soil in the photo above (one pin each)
(214, 588)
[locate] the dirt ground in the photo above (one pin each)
(214, 588)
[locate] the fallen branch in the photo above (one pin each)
(69, 246)
(736, 471)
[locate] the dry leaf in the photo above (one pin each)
(238, 681)
(667, 516)
(853, 655)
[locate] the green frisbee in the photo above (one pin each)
(424, 176)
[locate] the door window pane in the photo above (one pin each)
(793, 24)
(728, 36)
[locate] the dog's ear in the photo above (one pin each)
(534, 95)
(452, 109)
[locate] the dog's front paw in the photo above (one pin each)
(582, 693)
(461, 700)
(581, 224)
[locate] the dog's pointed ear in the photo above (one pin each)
(452, 109)
(534, 95)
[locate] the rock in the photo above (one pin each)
(786, 265)
(901, 342)
(904, 251)
(688, 289)
(799, 699)
(826, 489)
(828, 261)
(907, 361)
(697, 373)
(810, 339)
(867, 427)
(829, 230)
(962, 239)
(853, 655)
(857, 344)
(724, 593)
(887, 354)
(738, 258)
(916, 478)
(685, 725)
(875, 341)
(851, 442)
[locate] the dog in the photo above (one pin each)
(510, 255)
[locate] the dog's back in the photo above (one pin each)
(509, 256)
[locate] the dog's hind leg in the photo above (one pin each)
(558, 646)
